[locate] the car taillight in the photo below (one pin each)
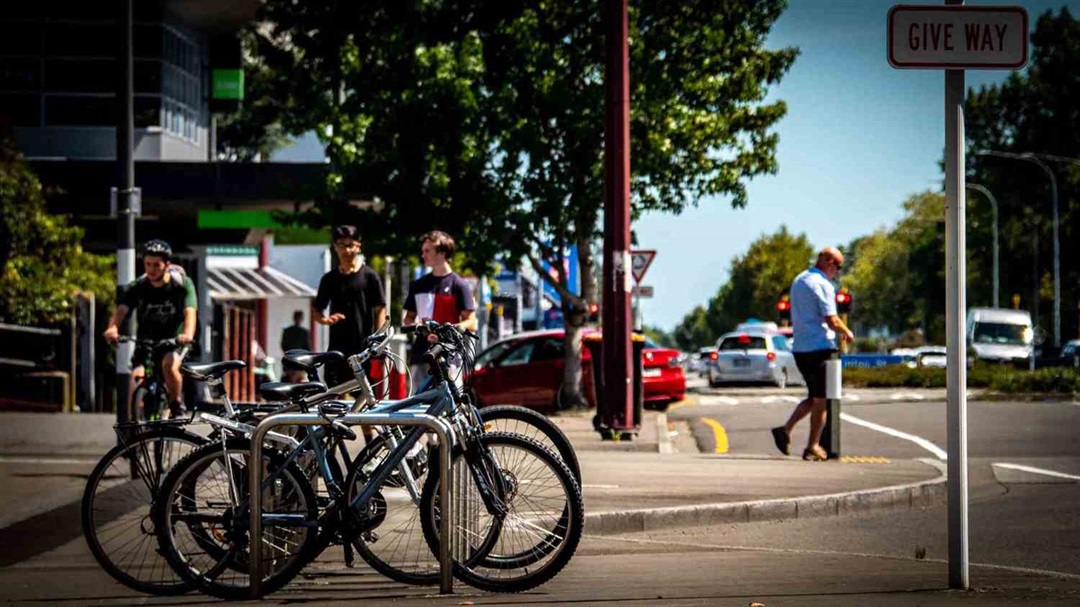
(771, 356)
(713, 356)
(673, 362)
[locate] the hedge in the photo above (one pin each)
(997, 378)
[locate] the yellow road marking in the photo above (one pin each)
(863, 459)
(719, 432)
(687, 401)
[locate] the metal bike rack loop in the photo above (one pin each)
(441, 429)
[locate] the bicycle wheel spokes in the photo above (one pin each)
(396, 547)
(540, 531)
(117, 505)
(206, 529)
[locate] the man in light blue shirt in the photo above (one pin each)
(814, 324)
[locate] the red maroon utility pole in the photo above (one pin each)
(617, 353)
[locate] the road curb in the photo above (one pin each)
(910, 495)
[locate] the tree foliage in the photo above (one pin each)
(756, 281)
(486, 118)
(1033, 111)
(42, 265)
(898, 275)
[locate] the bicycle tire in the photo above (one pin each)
(209, 579)
(150, 574)
(543, 430)
(567, 530)
(399, 550)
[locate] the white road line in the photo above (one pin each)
(907, 396)
(782, 399)
(922, 442)
(853, 397)
(1034, 470)
(718, 400)
(44, 460)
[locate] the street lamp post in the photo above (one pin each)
(994, 204)
(1028, 156)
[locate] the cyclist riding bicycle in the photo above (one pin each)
(165, 300)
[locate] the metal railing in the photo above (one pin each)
(439, 427)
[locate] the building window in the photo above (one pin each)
(21, 109)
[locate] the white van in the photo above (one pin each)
(1000, 334)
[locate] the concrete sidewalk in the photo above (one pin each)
(628, 486)
(632, 486)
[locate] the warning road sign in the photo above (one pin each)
(641, 260)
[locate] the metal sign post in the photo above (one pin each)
(433, 424)
(955, 38)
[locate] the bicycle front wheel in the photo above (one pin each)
(396, 548)
(534, 425)
(203, 523)
(544, 517)
(117, 504)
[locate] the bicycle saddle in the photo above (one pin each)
(284, 391)
(211, 370)
(309, 361)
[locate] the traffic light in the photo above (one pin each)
(594, 312)
(783, 307)
(843, 301)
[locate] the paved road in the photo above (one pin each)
(1024, 474)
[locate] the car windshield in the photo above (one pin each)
(650, 343)
(1001, 333)
(742, 342)
(492, 353)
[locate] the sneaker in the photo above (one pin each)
(815, 454)
(782, 440)
(177, 410)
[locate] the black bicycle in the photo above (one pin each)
(150, 398)
(123, 486)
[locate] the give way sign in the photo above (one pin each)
(640, 262)
(958, 37)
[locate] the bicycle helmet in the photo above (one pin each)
(159, 248)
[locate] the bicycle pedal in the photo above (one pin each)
(350, 558)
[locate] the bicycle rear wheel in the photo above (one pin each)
(203, 528)
(117, 504)
(538, 536)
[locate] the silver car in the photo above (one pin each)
(754, 357)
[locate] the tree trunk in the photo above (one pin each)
(570, 396)
(576, 314)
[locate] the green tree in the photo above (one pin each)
(485, 118)
(42, 265)
(758, 277)
(699, 124)
(1033, 111)
(756, 280)
(693, 331)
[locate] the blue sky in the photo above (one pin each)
(859, 138)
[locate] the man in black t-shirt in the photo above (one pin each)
(355, 296)
(166, 304)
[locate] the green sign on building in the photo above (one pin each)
(227, 84)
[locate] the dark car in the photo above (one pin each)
(527, 370)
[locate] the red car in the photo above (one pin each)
(527, 369)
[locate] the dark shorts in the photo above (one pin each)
(141, 355)
(812, 367)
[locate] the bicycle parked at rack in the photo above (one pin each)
(122, 487)
(508, 480)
